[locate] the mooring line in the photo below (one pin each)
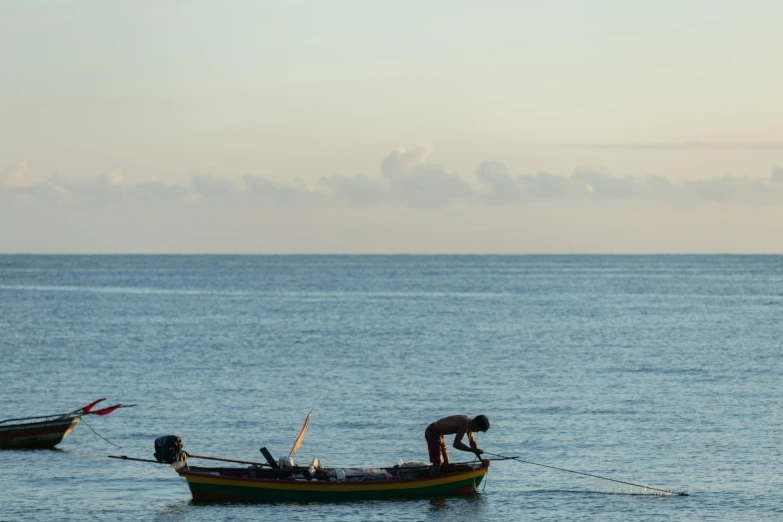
(101, 436)
(680, 494)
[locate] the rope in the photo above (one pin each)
(474, 473)
(590, 475)
(101, 436)
(486, 476)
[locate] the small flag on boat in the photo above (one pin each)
(89, 407)
(106, 411)
(302, 432)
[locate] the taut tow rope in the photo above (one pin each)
(670, 492)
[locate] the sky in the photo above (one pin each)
(391, 127)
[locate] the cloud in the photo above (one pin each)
(275, 193)
(499, 187)
(43, 191)
(733, 190)
(403, 160)
(213, 188)
(602, 186)
(15, 176)
(360, 190)
(544, 186)
(156, 191)
(104, 189)
(407, 179)
(414, 183)
(18, 189)
(659, 188)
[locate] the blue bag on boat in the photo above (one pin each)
(168, 449)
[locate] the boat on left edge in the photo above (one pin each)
(46, 431)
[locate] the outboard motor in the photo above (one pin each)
(168, 449)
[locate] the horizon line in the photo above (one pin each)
(389, 254)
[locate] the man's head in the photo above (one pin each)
(480, 423)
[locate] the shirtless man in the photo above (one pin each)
(460, 425)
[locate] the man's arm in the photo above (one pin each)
(473, 448)
(478, 451)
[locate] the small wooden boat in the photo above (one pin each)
(282, 481)
(33, 435)
(45, 431)
(257, 484)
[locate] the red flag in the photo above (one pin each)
(106, 411)
(87, 408)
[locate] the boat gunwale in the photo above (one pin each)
(53, 420)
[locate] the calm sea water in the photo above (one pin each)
(663, 370)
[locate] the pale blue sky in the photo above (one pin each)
(303, 101)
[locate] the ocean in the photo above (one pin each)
(662, 370)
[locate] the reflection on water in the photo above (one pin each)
(438, 503)
(468, 507)
(175, 511)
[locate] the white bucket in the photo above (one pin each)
(313, 467)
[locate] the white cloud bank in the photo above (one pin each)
(411, 205)
(407, 180)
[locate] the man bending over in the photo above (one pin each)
(460, 425)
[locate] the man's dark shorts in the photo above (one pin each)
(436, 445)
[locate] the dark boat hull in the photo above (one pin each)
(212, 486)
(36, 435)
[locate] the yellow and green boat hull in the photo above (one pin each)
(209, 487)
